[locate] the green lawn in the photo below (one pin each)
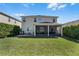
(38, 47)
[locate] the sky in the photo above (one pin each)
(65, 11)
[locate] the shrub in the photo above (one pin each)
(71, 31)
(8, 30)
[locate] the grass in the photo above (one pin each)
(38, 47)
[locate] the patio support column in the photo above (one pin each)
(48, 30)
(61, 30)
(34, 30)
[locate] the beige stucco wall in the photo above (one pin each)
(29, 23)
(19, 24)
(5, 19)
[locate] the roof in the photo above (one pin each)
(39, 16)
(9, 16)
(71, 22)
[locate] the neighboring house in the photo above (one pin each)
(39, 25)
(76, 22)
(4, 18)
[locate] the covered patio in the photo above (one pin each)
(47, 29)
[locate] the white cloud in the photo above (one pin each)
(54, 8)
(57, 6)
(19, 14)
(51, 5)
(25, 5)
(28, 4)
(62, 6)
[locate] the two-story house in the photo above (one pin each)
(38, 25)
(4, 18)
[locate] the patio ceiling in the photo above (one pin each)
(50, 24)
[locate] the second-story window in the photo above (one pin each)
(54, 20)
(35, 20)
(24, 19)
